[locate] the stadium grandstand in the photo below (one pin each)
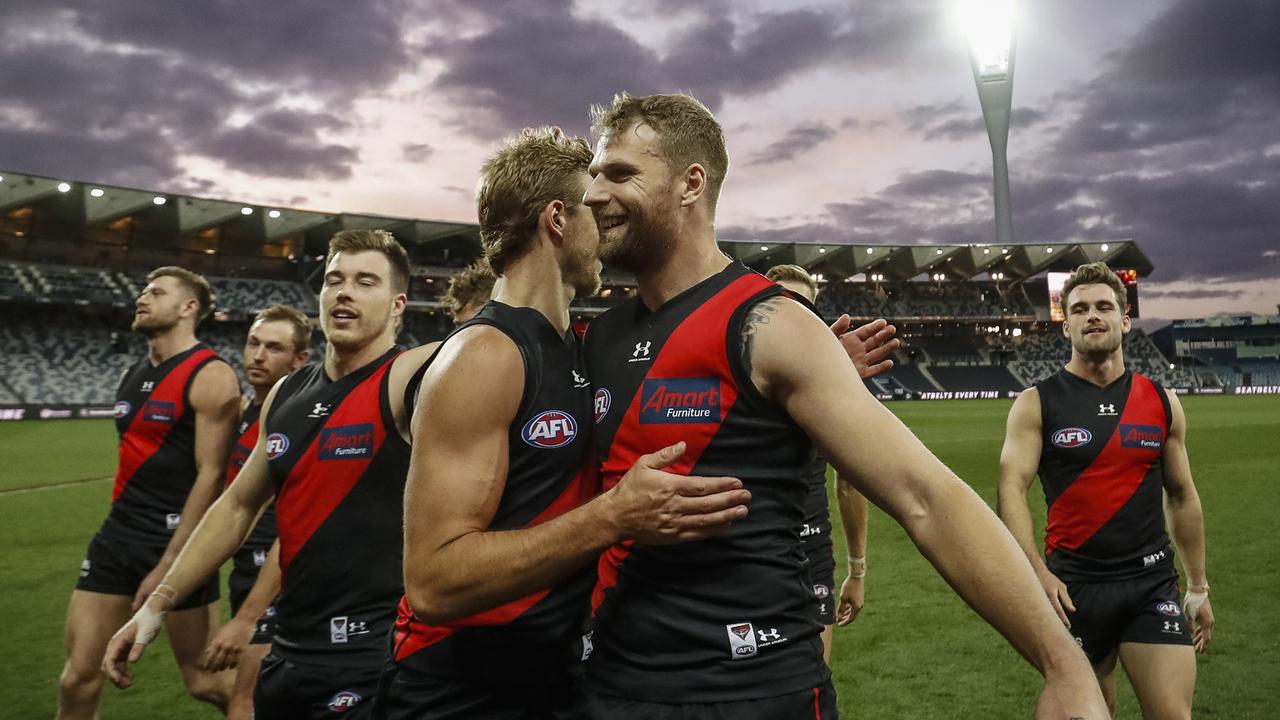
(975, 320)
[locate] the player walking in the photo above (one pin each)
(175, 413)
(1109, 446)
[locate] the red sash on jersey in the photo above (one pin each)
(1111, 479)
(696, 347)
(144, 437)
(308, 496)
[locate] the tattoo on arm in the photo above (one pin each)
(758, 315)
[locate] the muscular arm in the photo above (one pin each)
(454, 565)
(795, 362)
(1185, 514)
(1019, 463)
(1186, 520)
(215, 399)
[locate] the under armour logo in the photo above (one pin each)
(148, 386)
(1106, 409)
(320, 410)
(1173, 627)
(578, 380)
(641, 353)
(769, 635)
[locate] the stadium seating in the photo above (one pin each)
(975, 377)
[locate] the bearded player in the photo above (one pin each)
(719, 356)
(175, 413)
(278, 343)
(1109, 446)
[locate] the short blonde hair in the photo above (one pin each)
(687, 132)
(793, 273)
(377, 241)
(529, 172)
(1095, 273)
(194, 284)
(468, 285)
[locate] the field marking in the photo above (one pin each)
(52, 486)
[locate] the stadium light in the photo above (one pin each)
(64, 187)
(246, 210)
(1, 178)
(938, 251)
(273, 214)
(159, 200)
(990, 26)
(97, 192)
(822, 250)
(1048, 251)
(1105, 247)
(870, 250)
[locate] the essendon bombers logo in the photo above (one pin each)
(1071, 437)
(277, 445)
(550, 429)
(122, 409)
(686, 401)
(346, 442)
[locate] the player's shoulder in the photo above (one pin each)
(1026, 407)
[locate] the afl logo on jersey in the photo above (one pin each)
(344, 701)
(1168, 607)
(550, 429)
(1072, 437)
(123, 408)
(277, 445)
(603, 401)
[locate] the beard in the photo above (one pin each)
(649, 241)
(151, 326)
(1099, 349)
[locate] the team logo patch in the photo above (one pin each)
(742, 640)
(338, 629)
(603, 401)
(159, 411)
(122, 409)
(1168, 607)
(1148, 437)
(683, 401)
(171, 521)
(1071, 437)
(277, 445)
(550, 429)
(344, 701)
(346, 442)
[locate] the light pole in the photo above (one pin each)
(990, 26)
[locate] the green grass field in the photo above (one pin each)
(915, 652)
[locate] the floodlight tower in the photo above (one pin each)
(990, 26)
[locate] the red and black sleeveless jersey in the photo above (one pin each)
(157, 430)
(339, 465)
(815, 532)
(252, 552)
(1103, 475)
(725, 619)
(550, 471)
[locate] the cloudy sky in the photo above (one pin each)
(853, 121)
